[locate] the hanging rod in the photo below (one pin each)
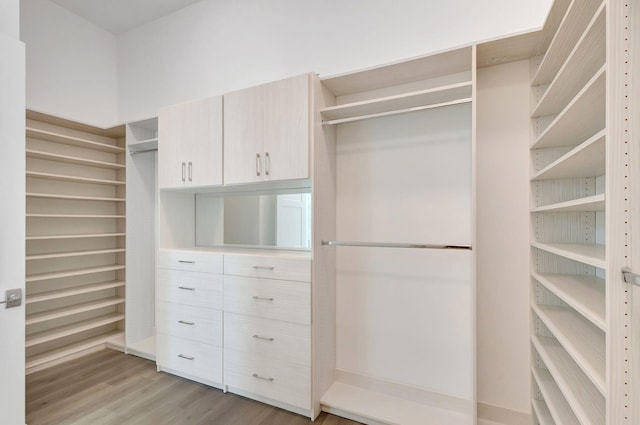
(395, 245)
(132, 152)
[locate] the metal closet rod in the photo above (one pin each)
(133, 152)
(395, 245)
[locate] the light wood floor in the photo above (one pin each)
(111, 388)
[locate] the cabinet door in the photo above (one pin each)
(202, 147)
(170, 168)
(287, 129)
(243, 135)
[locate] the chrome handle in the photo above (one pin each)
(264, 338)
(258, 164)
(184, 356)
(183, 171)
(184, 322)
(186, 288)
(629, 277)
(186, 262)
(255, 375)
(190, 171)
(257, 298)
(12, 298)
(263, 268)
(267, 163)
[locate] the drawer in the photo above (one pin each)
(192, 288)
(194, 323)
(271, 299)
(200, 360)
(275, 379)
(195, 261)
(274, 339)
(268, 267)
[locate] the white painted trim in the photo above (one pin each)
(272, 402)
(502, 415)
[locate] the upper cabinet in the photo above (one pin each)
(190, 144)
(267, 132)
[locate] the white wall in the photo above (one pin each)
(10, 18)
(71, 64)
(503, 236)
(215, 46)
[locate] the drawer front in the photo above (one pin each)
(268, 267)
(192, 288)
(195, 261)
(274, 339)
(194, 323)
(193, 358)
(270, 299)
(275, 379)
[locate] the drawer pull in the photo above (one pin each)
(184, 356)
(255, 375)
(264, 338)
(186, 288)
(263, 268)
(184, 322)
(186, 262)
(257, 298)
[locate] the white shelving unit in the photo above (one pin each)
(142, 146)
(578, 185)
(74, 239)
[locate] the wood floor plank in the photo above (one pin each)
(111, 388)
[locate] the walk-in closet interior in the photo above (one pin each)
(447, 238)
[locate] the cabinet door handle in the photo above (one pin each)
(184, 356)
(257, 298)
(264, 338)
(183, 171)
(190, 171)
(184, 322)
(186, 288)
(263, 268)
(255, 375)
(267, 163)
(186, 261)
(258, 164)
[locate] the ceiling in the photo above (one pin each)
(119, 16)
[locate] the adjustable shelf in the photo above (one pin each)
(582, 118)
(542, 412)
(65, 139)
(590, 203)
(584, 342)
(96, 216)
(143, 145)
(73, 254)
(585, 294)
(573, 24)
(76, 328)
(593, 255)
(71, 273)
(401, 103)
(72, 310)
(75, 179)
(73, 197)
(79, 236)
(32, 153)
(584, 61)
(73, 291)
(558, 407)
(585, 160)
(586, 402)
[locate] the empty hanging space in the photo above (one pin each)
(404, 315)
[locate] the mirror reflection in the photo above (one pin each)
(258, 220)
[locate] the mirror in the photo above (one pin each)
(257, 220)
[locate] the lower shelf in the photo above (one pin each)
(373, 407)
(50, 358)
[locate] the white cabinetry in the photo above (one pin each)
(267, 332)
(190, 144)
(267, 131)
(189, 315)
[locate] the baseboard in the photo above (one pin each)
(502, 415)
(405, 392)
